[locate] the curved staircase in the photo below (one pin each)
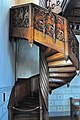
(60, 71)
(59, 47)
(27, 109)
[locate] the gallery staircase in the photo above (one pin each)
(59, 48)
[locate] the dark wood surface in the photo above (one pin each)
(21, 89)
(30, 102)
(71, 10)
(74, 107)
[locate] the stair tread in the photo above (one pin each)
(54, 57)
(26, 118)
(29, 102)
(60, 63)
(27, 107)
(62, 69)
(26, 115)
(62, 75)
(31, 112)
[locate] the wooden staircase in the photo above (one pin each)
(61, 72)
(59, 48)
(28, 108)
(24, 103)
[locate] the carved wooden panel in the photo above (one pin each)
(35, 23)
(49, 23)
(43, 20)
(73, 43)
(19, 17)
(60, 28)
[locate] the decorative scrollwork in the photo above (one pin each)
(48, 23)
(38, 18)
(60, 28)
(44, 22)
(73, 42)
(20, 17)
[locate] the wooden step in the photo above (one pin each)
(26, 117)
(54, 84)
(55, 80)
(28, 103)
(57, 83)
(62, 69)
(63, 80)
(60, 63)
(61, 75)
(22, 113)
(54, 57)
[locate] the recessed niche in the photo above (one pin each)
(3, 97)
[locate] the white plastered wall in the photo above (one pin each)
(18, 2)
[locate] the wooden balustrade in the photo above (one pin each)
(73, 47)
(39, 25)
(35, 23)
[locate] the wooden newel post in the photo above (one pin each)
(66, 40)
(31, 25)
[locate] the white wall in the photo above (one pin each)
(18, 2)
